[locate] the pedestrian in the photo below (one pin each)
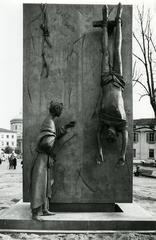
(137, 172)
(14, 162)
(22, 163)
(10, 162)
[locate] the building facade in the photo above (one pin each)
(7, 138)
(16, 125)
(144, 139)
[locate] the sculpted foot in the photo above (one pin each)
(119, 12)
(48, 213)
(105, 14)
(37, 218)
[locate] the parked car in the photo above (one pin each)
(149, 163)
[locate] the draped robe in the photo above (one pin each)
(41, 177)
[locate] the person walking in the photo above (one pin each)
(14, 162)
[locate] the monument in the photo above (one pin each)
(79, 178)
(81, 56)
(62, 61)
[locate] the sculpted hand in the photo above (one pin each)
(121, 161)
(70, 124)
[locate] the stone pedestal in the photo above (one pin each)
(131, 218)
(70, 72)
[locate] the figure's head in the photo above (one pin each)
(55, 108)
(111, 134)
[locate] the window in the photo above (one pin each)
(7, 136)
(134, 152)
(151, 153)
(2, 143)
(12, 143)
(15, 127)
(135, 137)
(7, 143)
(12, 136)
(150, 137)
(2, 136)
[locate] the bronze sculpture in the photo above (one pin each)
(112, 116)
(44, 161)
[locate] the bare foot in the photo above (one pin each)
(119, 11)
(105, 14)
(48, 213)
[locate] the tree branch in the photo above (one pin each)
(143, 96)
(138, 42)
(148, 48)
(148, 36)
(141, 16)
(153, 44)
(137, 81)
(139, 58)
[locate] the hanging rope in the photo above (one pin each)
(45, 40)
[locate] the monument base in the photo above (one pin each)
(84, 207)
(132, 218)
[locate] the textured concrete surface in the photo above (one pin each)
(79, 236)
(11, 187)
(73, 63)
(133, 217)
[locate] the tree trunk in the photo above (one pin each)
(153, 104)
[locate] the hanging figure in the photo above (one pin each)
(112, 116)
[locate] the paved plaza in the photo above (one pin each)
(144, 192)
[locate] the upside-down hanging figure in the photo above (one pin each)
(112, 116)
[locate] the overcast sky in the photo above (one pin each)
(11, 58)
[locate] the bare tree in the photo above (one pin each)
(147, 47)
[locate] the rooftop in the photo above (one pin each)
(144, 122)
(6, 130)
(16, 120)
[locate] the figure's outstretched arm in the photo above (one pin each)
(61, 131)
(105, 52)
(117, 60)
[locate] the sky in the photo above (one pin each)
(11, 57)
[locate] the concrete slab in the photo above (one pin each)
(133, 218)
